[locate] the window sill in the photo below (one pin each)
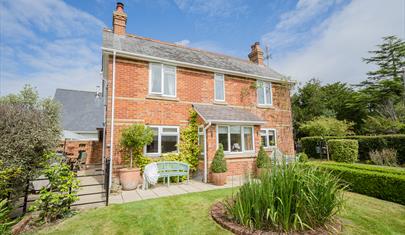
(240, 155)
(220, 102)
(158, 97)
(265, 106)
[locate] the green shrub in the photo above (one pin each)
(5, 221)
(289, 197)
(263, 160)
(385, 157)
(302, 157)
(219, 163)
(56, 198)
(189, 148)
(360, 166)
(343, 150)
(366, 145)
(386, 184)
(8, 177)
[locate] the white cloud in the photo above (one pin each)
(48, 44)
(184, 42)
(213, 8)
(335, 54)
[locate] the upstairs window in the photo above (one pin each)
(219, 87)
(264, 95)
(268, 137)
(162, 80)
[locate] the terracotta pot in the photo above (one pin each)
(219, 179)
(130, 178)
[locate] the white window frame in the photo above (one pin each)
(262, 85)
(267, 144)
(161, 93)
(228, 151)
(160, 131)
(219, 77)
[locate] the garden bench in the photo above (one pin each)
(167, 169)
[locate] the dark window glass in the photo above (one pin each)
(223, 137)
(154, 146)
(169, 144)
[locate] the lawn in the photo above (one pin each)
(189, 214)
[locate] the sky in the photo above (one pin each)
(53, 44)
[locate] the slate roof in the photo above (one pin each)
(226, 114)
(80, 112)
(149, 47)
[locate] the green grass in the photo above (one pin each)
(189, 214)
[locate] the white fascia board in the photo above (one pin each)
(195, 66)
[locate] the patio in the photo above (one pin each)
(162, 190)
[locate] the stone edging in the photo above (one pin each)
(218, 214)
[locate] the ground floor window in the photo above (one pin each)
(268, 137)
(165, 140)
(236, 139)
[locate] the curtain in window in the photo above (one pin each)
(248, 138)
(156, 82)
(260, 92)
(219, 87)
(268, 92)
(169, 80)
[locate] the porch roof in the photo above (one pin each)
(225, 114)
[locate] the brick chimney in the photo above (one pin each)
(119, 20)
(256, 55)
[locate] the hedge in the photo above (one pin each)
(366, 144)
(382, 169)
(343, 150)
(383, 185)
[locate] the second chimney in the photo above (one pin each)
(119, 20)
(256, 55)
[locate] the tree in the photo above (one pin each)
(134, 138)
(219, 163)
(29, 130)
(326, 126)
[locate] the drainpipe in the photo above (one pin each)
(112, 120)
(205, 153)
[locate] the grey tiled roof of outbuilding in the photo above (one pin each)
(224, 114)
(168, 51)
(79, 111)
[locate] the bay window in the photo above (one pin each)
(268, 137)
(264, 94)
(165, 140)
(236, 139)
(162, 80)
(219, 87)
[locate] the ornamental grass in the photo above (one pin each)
(291, 197)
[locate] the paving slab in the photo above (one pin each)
(147, 194)
(130, 196)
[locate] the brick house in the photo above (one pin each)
(240, 103)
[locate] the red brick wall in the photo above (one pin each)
(133, 105)
(91, 147)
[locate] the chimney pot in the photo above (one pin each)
(120, 6)
(256, 55)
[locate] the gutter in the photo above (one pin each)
(195, 66)
(112, 121)
(205, 153)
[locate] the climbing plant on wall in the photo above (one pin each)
(189, 148)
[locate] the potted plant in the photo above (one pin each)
(262, 161)
(218, 167)
(133, 139)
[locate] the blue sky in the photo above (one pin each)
(54, 43)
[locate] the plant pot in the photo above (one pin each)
(219, 179)
(130, 178)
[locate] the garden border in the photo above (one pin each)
(219, 215)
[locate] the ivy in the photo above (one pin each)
(189, 148)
